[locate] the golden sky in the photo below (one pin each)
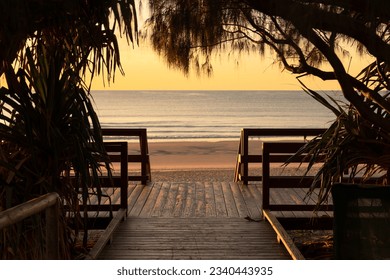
(145, 70)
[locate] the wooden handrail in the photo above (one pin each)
(48, 203)
(243, 156)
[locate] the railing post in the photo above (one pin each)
(266, 171)
(145, 167)
(124, 175)
(245, 151)
(52, 232)
(237, 170)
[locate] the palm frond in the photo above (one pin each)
(48, 127)
(351, 145)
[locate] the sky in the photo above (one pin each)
(145, 70)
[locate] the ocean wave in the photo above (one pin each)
(197, 115)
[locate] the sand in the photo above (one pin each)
(199, 161)
(193, 161)
(193, 155)
(188, 161)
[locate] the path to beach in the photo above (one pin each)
(190, 210)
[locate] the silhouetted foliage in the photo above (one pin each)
(306, 37)
(49, 132)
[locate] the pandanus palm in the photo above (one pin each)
(353, 148)
(48, 126)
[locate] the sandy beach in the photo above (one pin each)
(186, 161)
(201, 161)
(193, 155)
(193, 161)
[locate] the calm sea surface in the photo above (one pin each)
(208, 115)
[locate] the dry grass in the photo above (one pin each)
(314, 244)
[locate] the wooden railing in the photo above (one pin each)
(108, 214)
(142, 158)
(289, 193)
(118, 153)
(113, 189)
(244, 158)
(48, 203)
(278, 153)
(284, 182)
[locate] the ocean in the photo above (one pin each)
(208, 115)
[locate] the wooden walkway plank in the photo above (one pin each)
(194, 238)
(133, 196)
(151, 201)
(181, 199)
(220, 206)
(279, 196)
(229, 200)
(196, 221)
(239, 200)
(190, 203)
(256, 191)
(170, 203)
(200, 194)
(298, 196)
(210, 200)
(161, 199)
(105, 199)
(142, 199)
(108, 193)
(253, 206)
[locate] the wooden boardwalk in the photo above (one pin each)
(194, 221)
(195, 200)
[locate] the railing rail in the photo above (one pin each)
(48, 203)
(244, 158)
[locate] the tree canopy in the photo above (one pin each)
(303, 34)
(306, 37)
